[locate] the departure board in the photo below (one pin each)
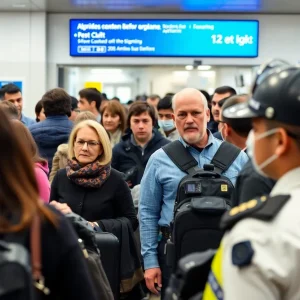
(167, 38)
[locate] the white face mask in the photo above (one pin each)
(250, 143)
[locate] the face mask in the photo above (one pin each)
(166, 125)
(250, 143)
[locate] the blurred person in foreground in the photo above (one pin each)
(62, 262)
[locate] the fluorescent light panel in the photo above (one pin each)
(106, 71)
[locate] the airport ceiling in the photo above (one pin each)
(154, 6)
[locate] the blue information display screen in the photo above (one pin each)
(181, 38)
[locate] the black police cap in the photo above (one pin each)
(277, 97)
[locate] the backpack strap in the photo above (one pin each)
(225, 156)
(181, 157)
(36, 256)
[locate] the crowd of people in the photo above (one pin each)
(105, 161)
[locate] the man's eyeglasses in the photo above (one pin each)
(92, 144)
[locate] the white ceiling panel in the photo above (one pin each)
(23, 5)
(153, 6)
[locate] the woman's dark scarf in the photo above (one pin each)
(92, 175)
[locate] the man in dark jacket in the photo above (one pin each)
(55, 130)
(249, 183)
(131, 155)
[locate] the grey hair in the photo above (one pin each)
(190, 90)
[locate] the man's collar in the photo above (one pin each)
(210, 141)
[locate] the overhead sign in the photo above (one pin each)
(19, 84)
(93, 84)
(170, 38)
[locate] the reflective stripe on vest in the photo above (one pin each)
(213, 288)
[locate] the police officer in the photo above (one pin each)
(259, 257)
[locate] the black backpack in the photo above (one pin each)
(188, 282)
(202, 197)
(20, 271)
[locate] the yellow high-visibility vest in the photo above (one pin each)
(214, 286)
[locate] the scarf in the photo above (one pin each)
(92, 175)
(115, 137)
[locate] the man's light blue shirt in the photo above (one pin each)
(158, 192)
(27, 121)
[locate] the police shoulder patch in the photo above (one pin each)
(263, 208)
(242, 254)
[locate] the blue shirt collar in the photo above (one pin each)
(210, 141)
(58, 117)
(26, 121)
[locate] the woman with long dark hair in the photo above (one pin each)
(61, 264)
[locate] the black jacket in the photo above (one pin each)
(128, 157)
(131, 272)
(112, 200)
(250, 184)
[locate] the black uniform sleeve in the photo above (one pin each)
(123, 204)
(252, 187)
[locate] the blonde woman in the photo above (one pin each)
(88, 186)
(60, 158)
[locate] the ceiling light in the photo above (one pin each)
(204, 68)
(106, 71)
(189, 67)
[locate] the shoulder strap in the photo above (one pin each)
(181, 157)
(35, 251)
(35, 248)
(225, 156)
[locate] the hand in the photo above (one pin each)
(129, 183)
(94, 224)
(153, 276)
(62, 207)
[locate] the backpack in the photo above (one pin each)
(20, 271)
(191, 269)
(203, 195)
